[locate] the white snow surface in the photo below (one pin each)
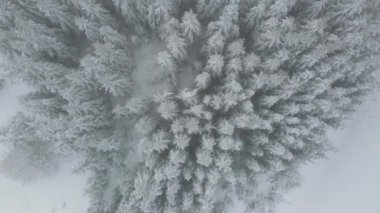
(62, 193)
(9, 105)
(348, 181)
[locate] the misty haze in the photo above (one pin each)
(189, 106)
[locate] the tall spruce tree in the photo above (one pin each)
(185, 105)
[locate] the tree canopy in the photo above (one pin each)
(186, 105)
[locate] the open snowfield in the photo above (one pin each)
(349, 181)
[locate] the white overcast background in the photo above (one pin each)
(347, 182)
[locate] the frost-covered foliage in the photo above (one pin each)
(180, 105)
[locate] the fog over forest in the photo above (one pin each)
(189, 106)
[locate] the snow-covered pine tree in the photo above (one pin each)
(185, 105)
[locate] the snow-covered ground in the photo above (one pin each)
(9, 103)
(62, 193)
(349, 181)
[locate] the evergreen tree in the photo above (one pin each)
(183, 105)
